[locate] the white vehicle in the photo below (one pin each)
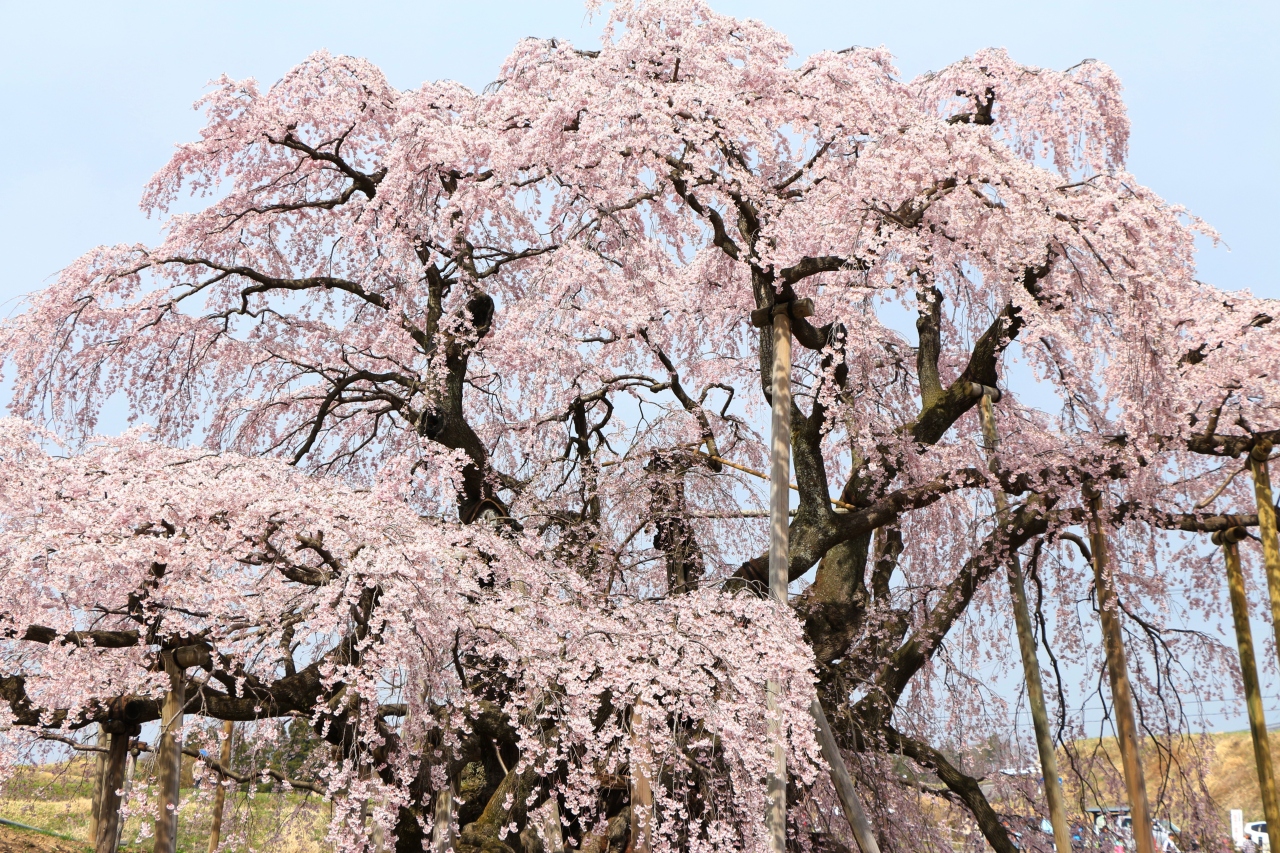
(1163, 831)
(1257, 833)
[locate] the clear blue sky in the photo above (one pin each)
(94, 95)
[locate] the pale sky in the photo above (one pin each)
(96, 94)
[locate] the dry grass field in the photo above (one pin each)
(55, 798)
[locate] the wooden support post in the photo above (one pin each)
(442, 838)
(1118, 673)
(1267, 526)
(169, 756)
(641, 787)
(552, 831)
(849, 802)
(220, 795)
(1026, 641)
(99, 779)
(779, 566)
(108, 834)
(130, 765)
(1228, 539)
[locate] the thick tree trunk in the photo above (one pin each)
(1249, 673)
(1118, 672)
(108, 833)
(779, 569)
(220, 795)
(169, 758)
(1027, 647)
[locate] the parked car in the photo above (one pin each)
(1165, 832)
(1257, 833)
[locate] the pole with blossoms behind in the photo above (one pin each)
(441, 386)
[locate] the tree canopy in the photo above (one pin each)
(442, 390)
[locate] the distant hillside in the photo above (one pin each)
(1231, 778)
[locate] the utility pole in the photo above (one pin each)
(1118, 672)
(1228, 539)
(1026, 638)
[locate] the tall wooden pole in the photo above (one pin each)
(220, 795)
(1118, 672)
(1026, 640)
(1258, 456)
(169, 756)
(1249, 672)
(108, 834)
(641, 786)
(99, 780)
(442, 837)
(853, 811)
(130, 765)
(779, 567)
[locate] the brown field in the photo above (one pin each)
(55, 798)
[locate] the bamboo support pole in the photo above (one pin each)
(220, 795)
(169, 756)
(1118, 673)
(1228, 539)
(1027, 643)
(1267, 527)
(779, 568)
